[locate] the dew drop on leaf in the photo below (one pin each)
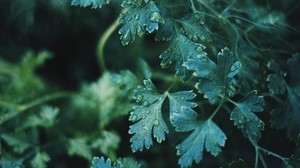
(133, 117)
(156, 123)
(155, 17)
(145, 103)
(139, 98)
(136, 17)
(96, 160)
(233, 68)
(140, 31)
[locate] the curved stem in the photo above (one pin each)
(262, 160)
(256, 157)
(9, 105)
(271, 153)
(231, 101)
(21, 108)
(102, 42)
(217, 109)
(193, 6)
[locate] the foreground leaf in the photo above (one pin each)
(121, 163)
(92, 3)
(287, 115)
(179, 51)
(148, 118)
(193, 27)
(205, 134)
(244, 117)
(215, 79)
(138, 20)
(101, 163)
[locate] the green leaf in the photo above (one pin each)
(138, 20)
(144, 68)
(133, 3)
(148, 117)
(193, 27)
(108, 142)
(79, 146)
(180, 99)
(179, 51)
(11, 164)
(166, 31)
(101, 163)
(101, 97)
(215, 79)
(244, 117)
(40, 160)
(18, 142)
(121, 163)
(276, 82)
(129, 163)
(92, 3)
(46, 118)
(288, 114)
(205, 134)
(177, 101)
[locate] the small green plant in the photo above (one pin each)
(221, 70)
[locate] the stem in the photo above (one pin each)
(256, 157)
(21, 108)
(211, 9)
(217, 109)
(193, 6)
(271, 153)
(231, 101)
(102, 42)
(9, 105)
(262, 160)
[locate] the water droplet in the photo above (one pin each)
(200, 48)
(140, 31)
(145, 103)
(155, 16)
(96, 160)
(156, 123)
(136, 17)
(197, 16)
(133, 118)
(139, 98)
(204, 59)
(233, 68)
(238, 21)
(126, 38)
(147, 112)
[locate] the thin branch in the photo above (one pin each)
(22, 108)
(217, 109)
(102, 42)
